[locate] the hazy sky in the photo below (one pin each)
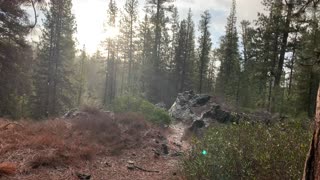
(91, 15)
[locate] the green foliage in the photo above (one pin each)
(139, 105)
(250, 151)
(15, 59)
(229, 75)
(205, 44)
(53, 72)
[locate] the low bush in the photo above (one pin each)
(250, 151)
(116, 132)
(138, 105)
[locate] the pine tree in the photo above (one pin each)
(81, 76)
(15, 57)
(229, 76)
(145, 54)
(204, 48)
(95, 78)
(166, 66)
(130, 18)
(190, 67)
(174, 39)
(159, 22)
(268, 43)
(307, 70)
(110, 84)
(251, 74)
(184, 59)
(180, 57)
(54, 91)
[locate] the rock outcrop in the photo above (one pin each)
(200, 109)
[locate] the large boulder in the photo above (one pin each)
(181, 108)
(200, 111)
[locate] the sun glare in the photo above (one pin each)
(111, 32)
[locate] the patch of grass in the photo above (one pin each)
(250, 151)
(138, 105)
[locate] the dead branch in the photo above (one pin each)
(145, 170)
(8, 124)
(35, 15)
(132, 166)
(303, 8)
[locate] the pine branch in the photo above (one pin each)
(35, 15)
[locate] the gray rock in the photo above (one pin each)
(161, 105)
(197, 124)
(201, 111)
(70, 114)
(181, 109)
(200, 100)
(83, 176)
(165, 149)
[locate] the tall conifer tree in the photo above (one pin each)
(54, 89)
(229, 76)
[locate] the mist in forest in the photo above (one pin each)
(187, 80)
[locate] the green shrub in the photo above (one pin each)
(139, 105)
(250, 151)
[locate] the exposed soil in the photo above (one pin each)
(92, 144)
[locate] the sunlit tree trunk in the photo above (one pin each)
(312, 164)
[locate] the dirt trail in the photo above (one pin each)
(167, 165)
(176, 136)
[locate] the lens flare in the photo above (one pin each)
(204, 152)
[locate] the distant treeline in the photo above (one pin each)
(271, 63)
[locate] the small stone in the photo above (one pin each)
(108, 164)
(177, 144)
(130, 165)
(165, 149)
(83, 176)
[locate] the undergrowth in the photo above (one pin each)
(250, 151)
(66, 142)
(138, 105)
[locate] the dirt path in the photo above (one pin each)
(176, 136)
(167, 165)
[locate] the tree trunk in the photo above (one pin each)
(312, 164)
(284, 46)
(130, 55)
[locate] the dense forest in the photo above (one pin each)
(151, 59)
(269, 63)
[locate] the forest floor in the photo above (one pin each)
(93, 144)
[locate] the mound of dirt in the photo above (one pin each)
(92, 142)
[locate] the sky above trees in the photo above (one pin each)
(91, 16)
